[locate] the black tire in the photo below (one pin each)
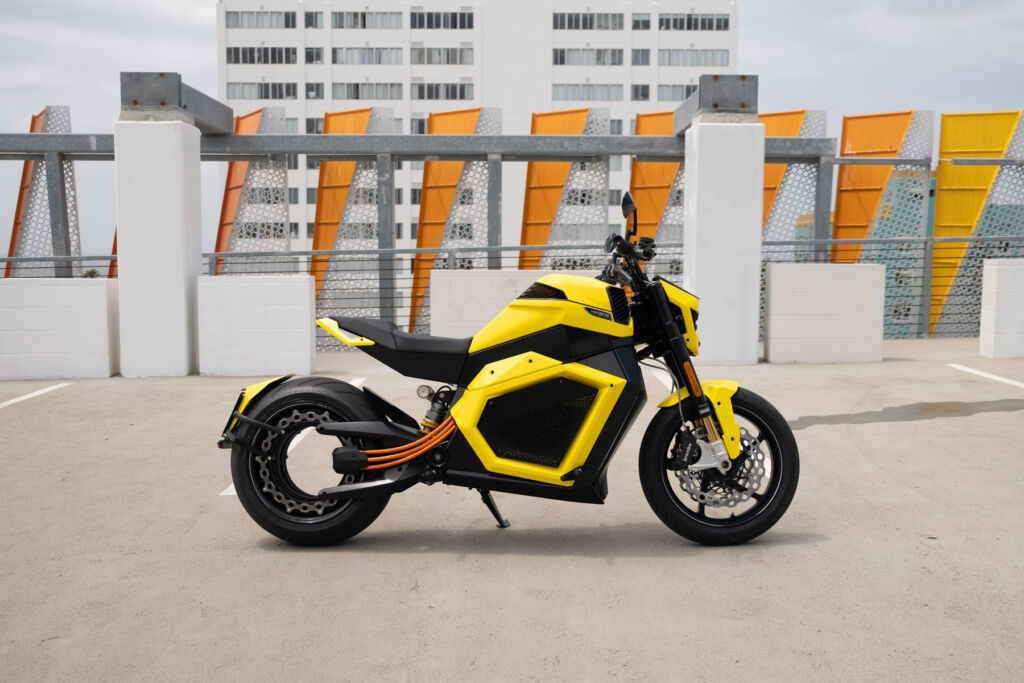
(288, 512)
(706, 524)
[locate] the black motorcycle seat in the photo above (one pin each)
(414, 355)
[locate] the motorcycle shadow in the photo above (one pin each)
(606, 541)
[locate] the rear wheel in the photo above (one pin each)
(278, 488)
(722, 509)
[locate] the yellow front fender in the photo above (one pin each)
(719, 392)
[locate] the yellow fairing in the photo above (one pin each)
(249, 393)
(527, 316)
(519, 372)
(346, 338)
(719, 392)
(688, 304)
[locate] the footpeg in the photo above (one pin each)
(489, 502)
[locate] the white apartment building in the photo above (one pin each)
(521, 56)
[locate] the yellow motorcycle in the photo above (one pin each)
(536, 403)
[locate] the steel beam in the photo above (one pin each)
(148, 92)
(56, 195)
(823, 206)
(985, 162)
(717, 94)
(494, 210)
(386, 235)
(413, 147)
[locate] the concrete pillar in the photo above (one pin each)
(722, 234)
(159, 245)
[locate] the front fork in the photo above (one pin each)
(679, 363)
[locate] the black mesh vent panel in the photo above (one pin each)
(620, 306)
(537, 424)
(539, 291)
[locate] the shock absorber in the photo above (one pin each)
(439, 402)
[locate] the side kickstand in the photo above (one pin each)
(489, 502)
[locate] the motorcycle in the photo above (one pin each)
(535, 404)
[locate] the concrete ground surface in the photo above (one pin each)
(900, 556)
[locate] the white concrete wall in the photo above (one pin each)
(722, 242)
(60, 327)
(824, 313)
(159, 245)
(1002, 309)
(463, 301)
(255, 325)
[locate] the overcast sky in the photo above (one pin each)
(843, 57)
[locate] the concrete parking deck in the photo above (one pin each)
(900, 556)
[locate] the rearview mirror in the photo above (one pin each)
(628, 207)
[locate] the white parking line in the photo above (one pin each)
(358, 382)
(33, 394)
(229, 491)
(979, 373)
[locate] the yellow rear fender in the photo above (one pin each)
(247, 397)
(719, 392)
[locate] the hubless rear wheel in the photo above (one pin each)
(259, 464)
(714, 508)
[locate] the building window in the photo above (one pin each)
(293, 230)
(314, 19)
(398, 231)
(615, 127)
(641, 22)
(312, 164)
(292, 161)
(366, 20)
(586, 92)
(587, 56)
(414, 198)
(441, 91)
(675, 93)
(398, 195)
(293, 195)
(693, 22)
(441, 20)
(367, 91)
(614, 197)
(693, 58)
(587, 21)
(259, 20)
(417, 126)
(291, 126)
(641, 57)
(366, 55)
(314, 126)
(310, 230)
(311, 195)
(441, 55)
(413, 230)
(641, 93)
(615, 162)
(261, 55)
(262, 91)
(314, 91)
(314, 55)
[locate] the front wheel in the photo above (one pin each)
(722, 509)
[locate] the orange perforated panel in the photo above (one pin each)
(650, 182)
(26, 179)
(780, 124)
(112, 268)
(440, 180)
(860, 188)
(545, 181)
(249, 124)
(332, 190)
(961, 191)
